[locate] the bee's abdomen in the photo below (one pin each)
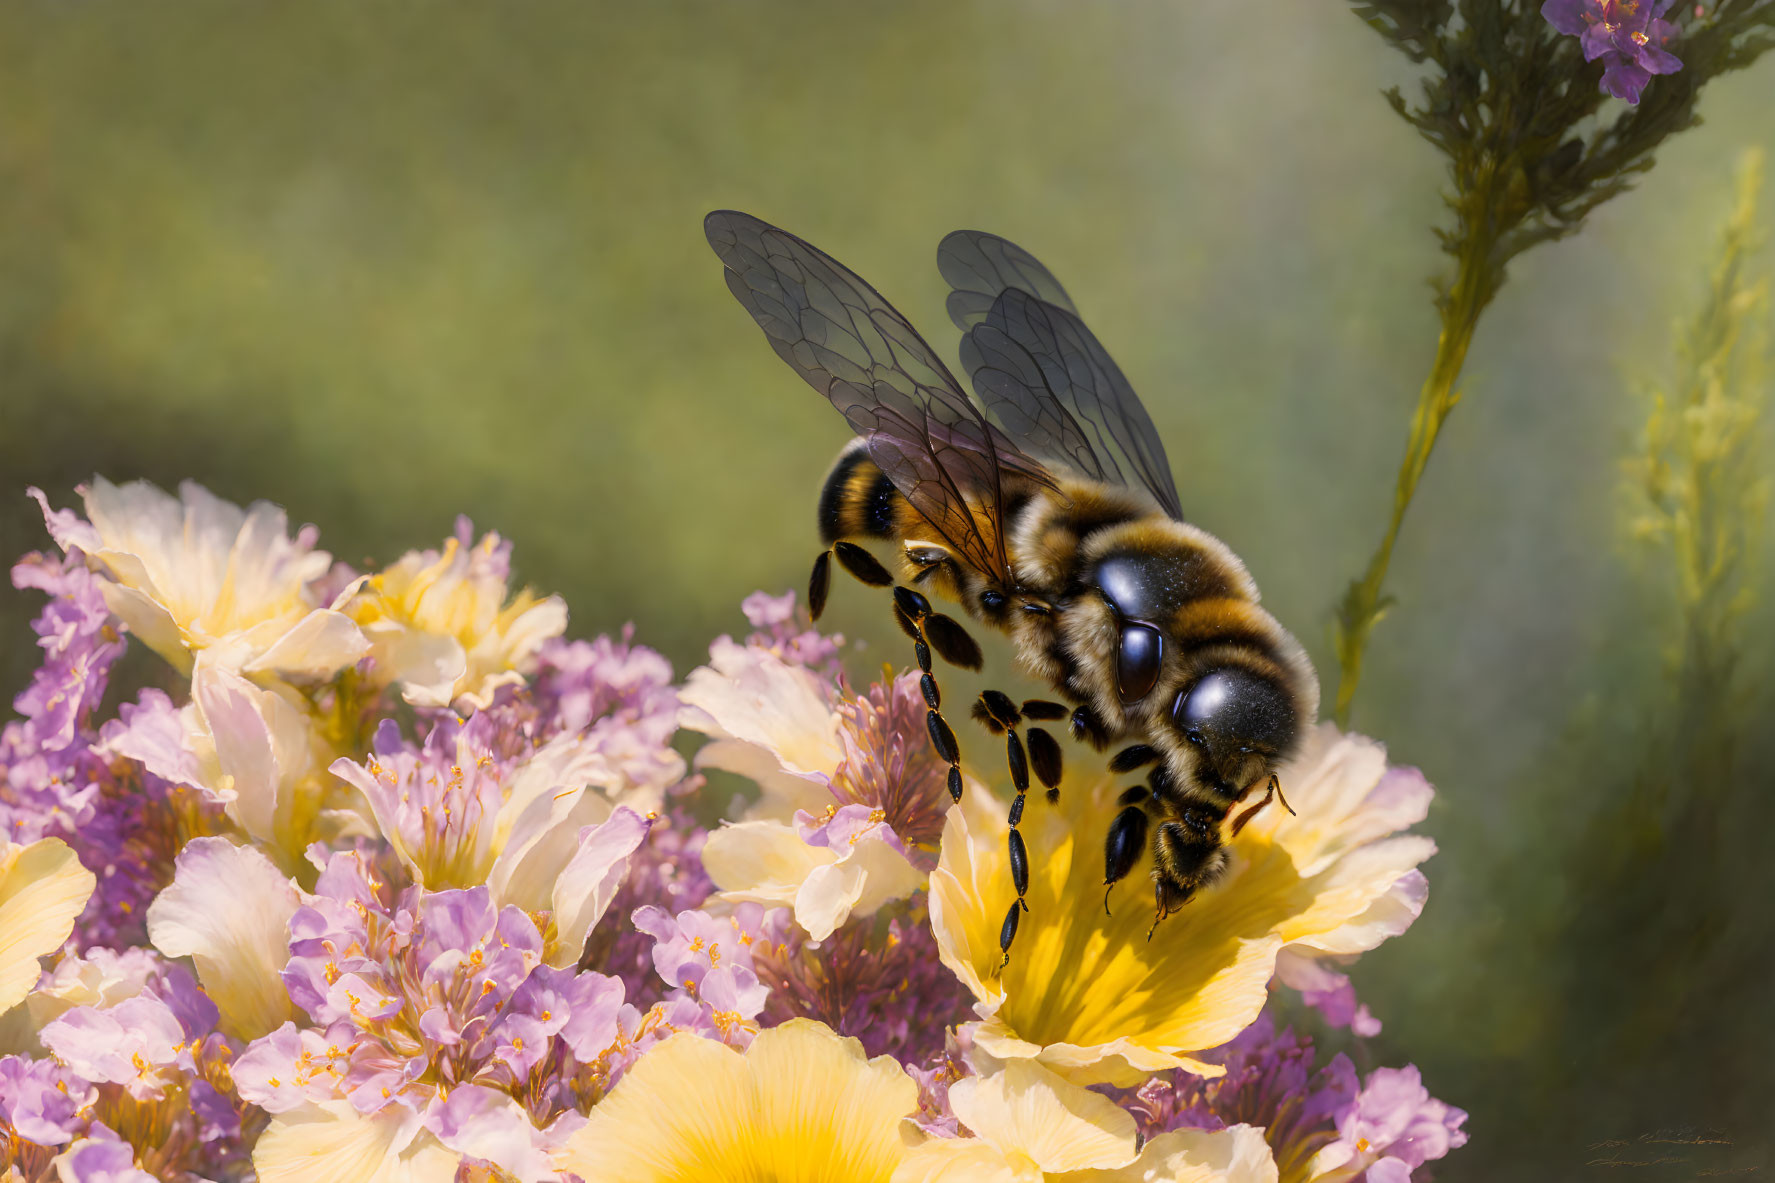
(858, 500)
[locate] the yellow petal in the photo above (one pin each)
(1056, 1124)
(228, 909)
(802, 1105)
(43, 889)
(685, 1106)
(816, 1088)
(963, 1160)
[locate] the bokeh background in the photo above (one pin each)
(385, 264)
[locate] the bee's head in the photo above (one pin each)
(1235, 725)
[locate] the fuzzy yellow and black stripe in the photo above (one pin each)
(857, 499)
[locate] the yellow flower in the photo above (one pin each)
(439, 624)
(802, 1105)
(199, 574)
(1091, 997)
(43, 889)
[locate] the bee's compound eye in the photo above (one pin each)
(1137, 661)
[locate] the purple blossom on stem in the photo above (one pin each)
(141, 1067)
(779, 626)
(1394, 1126)
(58, 774)
(666, 873)
(1388, 1126)
(416, 996)
(1269, 1082)
(1628, 35)
(890, 767)
(877, 978)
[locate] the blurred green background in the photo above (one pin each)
(388, 263)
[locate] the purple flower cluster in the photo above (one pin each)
(1388, 1125)
(782, 628)
(889, 767)
(439, 1003)
(57, 776)
(666, 874)
(1628, 35)
(141, 1070)
(878, 978)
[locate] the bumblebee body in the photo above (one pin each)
(1123, 611)
(1047, 510)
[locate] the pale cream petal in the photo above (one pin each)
(1387, 917)
(1237, 1154)
(543, 840)
(816, 1088)
(1060, 1126)
(332, 1141)
(784, 793)
(686, 1110)
(961, 1160)
(965, 938)
(262, 745)
(765, 862)
(753, 696)
(228, 909)
(825, 898)
(565, 762)
(524, 635)
(585, 887)
(1349, 887)
(43, 889)
(888, 876)
(427, 665)
(148, 622)
(320, 645)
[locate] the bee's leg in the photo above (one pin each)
(861, 564)
(912, 612)
(1135, 756)
(1008, 932)
(1127, 837)
(1043, 710)
(1088, 727)
(1273, 789)
(1044, 757)
(998, 714)
(819, 582)
(1019, 855)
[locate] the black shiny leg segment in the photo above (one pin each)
(1122, 847)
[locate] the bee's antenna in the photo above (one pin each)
(1276, 787)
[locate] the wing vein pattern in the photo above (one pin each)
(1042, 376)
(852, 346)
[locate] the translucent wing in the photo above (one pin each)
(849, 344)
(1042, 374)
(978, 266)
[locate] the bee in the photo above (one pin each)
(1047, 511)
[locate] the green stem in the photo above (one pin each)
(1363, 604)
